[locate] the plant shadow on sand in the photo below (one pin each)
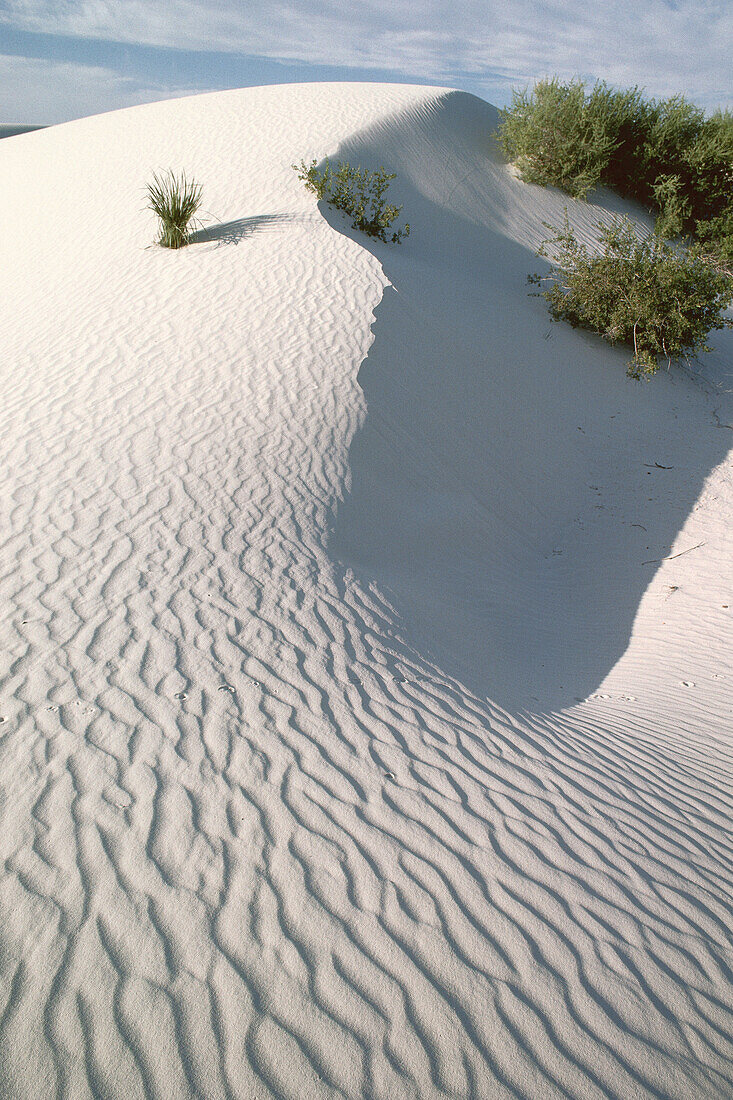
(504, 495)
(235, 231)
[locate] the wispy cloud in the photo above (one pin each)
(664, 45)
(41, 91)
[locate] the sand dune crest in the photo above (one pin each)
(348, 749)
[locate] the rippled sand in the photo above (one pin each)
(358, 740)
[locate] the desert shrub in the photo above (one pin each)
(710, 174)
(575, 139)
(715, 236)
(709, 163)
(359, 193)
(554, 138)
(665, 154)
(673, 205)
(659, 300)
(175, 200)
(629, 118)
(672, 127)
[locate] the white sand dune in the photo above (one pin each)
(357, 741)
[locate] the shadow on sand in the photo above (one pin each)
(504, 489)
(235, 231)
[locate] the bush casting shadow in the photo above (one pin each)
(499, 496)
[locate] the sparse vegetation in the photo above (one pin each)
(175, 200)
(659, 300)
(359, 193)
(665, 154)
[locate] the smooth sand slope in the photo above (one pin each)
(357, 741)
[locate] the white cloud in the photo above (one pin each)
(664, 45)
(39, 91)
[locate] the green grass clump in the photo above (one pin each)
(359, 193)
(175, 200)
(660, 300)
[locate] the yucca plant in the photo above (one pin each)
(175, 199)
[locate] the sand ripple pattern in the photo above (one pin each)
(253, 843)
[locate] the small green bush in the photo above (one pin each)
(175, 200)
(657, 299)
(359, 193)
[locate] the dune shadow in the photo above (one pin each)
(511, 490)
(235, 231)
(14, 131)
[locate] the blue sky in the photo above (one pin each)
(63, 59)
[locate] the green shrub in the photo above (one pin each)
(716, 241)
(657, 299)
(672, 127)
(359, 193)
(710, 172)
(673, 205)
(709, 164)
(628, 118)
(665, 154)
(175, 200)
(554, 138)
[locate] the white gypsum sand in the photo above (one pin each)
(366, 708)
